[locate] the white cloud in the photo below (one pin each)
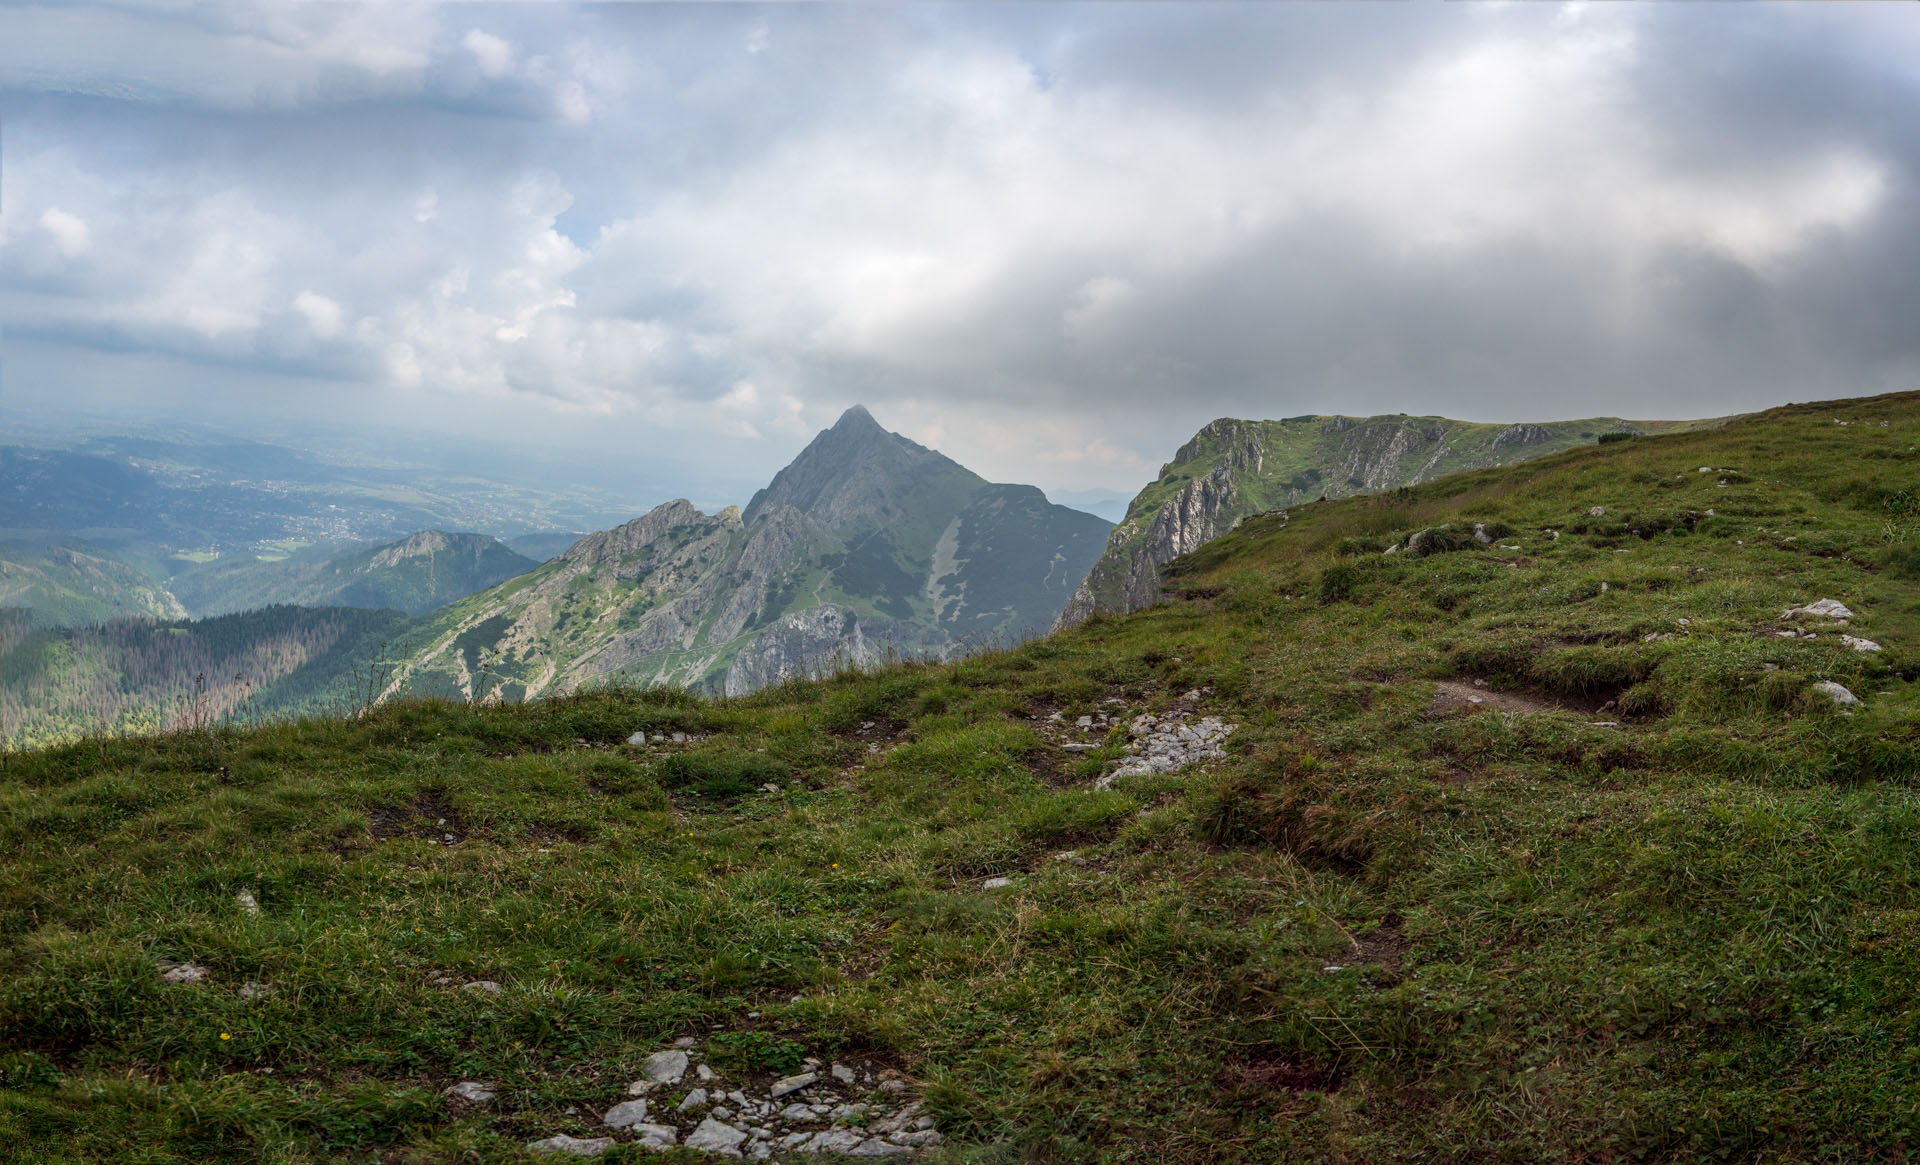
(493, 54)
(954, 215)
(323, 315)
(69, 231)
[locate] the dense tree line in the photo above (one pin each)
(132, 676)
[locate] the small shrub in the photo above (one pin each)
(752, 1051)
(1338, 582)
(1611, 438)
(719, 775)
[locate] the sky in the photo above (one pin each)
(1050, 240)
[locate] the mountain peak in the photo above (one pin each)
(851, 472)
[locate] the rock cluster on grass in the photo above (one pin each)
(1169, 743)
(855, 1110)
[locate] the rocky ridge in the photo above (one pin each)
(1233, 469)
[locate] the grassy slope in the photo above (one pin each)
(1298, 460)
(1380, 930)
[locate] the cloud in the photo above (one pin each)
(1056, 237)
(69, 231)
(494, 55)
(323, 315)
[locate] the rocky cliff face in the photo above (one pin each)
(866, 546)
(1233, 469)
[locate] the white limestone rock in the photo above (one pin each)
(564, 1145)
(1820, 609)
(665, 1067)
(471, 1091)
(716, 1137)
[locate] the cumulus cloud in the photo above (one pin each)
(1053, 240)
(493, 54)
(69, 231)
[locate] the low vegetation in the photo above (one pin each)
(1541, 848)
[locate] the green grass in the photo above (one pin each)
(1662, 906)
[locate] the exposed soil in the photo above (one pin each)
(1385, 947)
(1283, 1075)
(430, 816)
(1458, 695)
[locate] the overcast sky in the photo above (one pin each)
(1050, 240)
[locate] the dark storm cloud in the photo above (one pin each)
(1051, 238)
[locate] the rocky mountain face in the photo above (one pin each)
(417, 574)
(1233, 469)
(867, 545)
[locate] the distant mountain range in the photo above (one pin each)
(417, 574)
(866, 545)
(1233, 469)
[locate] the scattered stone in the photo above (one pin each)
(722, 1112)
(797, 1112)
(996, 883)
(665, 1067)
(703, 1072)
(484, 986)
(683, 1042)
(248, 903)
(899, 1121)
(1169, 743)
(1821, 609)
(875, 1147)
(571, 1146)
(626, 1114)
(789, 1084)
(1859, 644)
(679, 738)
(695, 1099)
(471, 1091)
(1077, 746)
(184, 973)
(833, 1141)
(1597, 512)
(715, 1137)
(1084, 722)
(1839, 695)
(252, 991)
(657, 1136)
(638, 738)
(842, 1073)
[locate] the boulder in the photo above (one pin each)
(1820, 609)
(1838, 694)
